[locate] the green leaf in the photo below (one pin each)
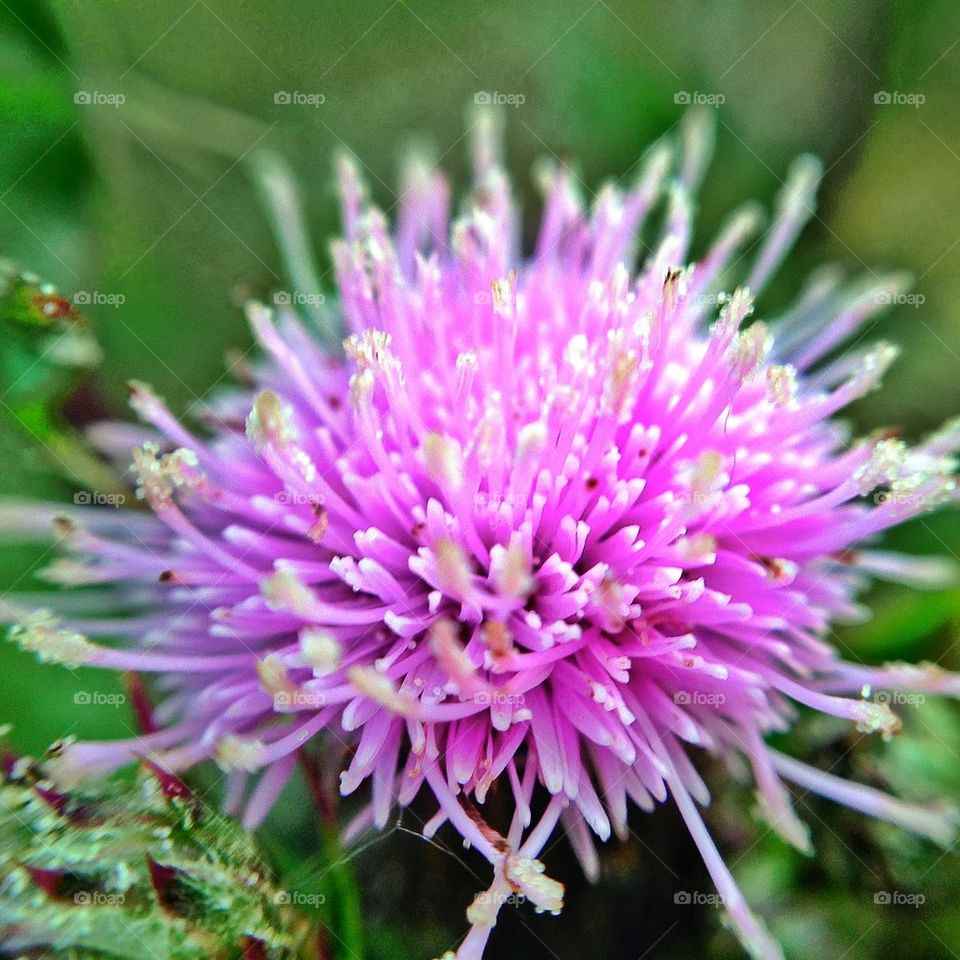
(125, 869)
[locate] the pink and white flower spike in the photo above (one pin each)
(547, 523)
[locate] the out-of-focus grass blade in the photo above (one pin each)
(47, 348)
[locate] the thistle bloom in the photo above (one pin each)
(543, 526)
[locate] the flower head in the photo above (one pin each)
(546, 523)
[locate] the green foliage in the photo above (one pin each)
(46, 344)
(127, 869)
(47, 349)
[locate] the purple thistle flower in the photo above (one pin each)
(546, 524)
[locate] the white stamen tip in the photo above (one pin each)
(884, 465)
(236, 753)
(877, 718)
(377, 686)
(41, 634)
(270, 424)
(320, 649)
(528, 876)
(273, 676)
(453, 568)
(782, 384)
(750, 349)
(444, 460)
(158, 476)
(531, 441)
(284, 590)
(370, 350)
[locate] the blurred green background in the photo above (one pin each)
(151, 200)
